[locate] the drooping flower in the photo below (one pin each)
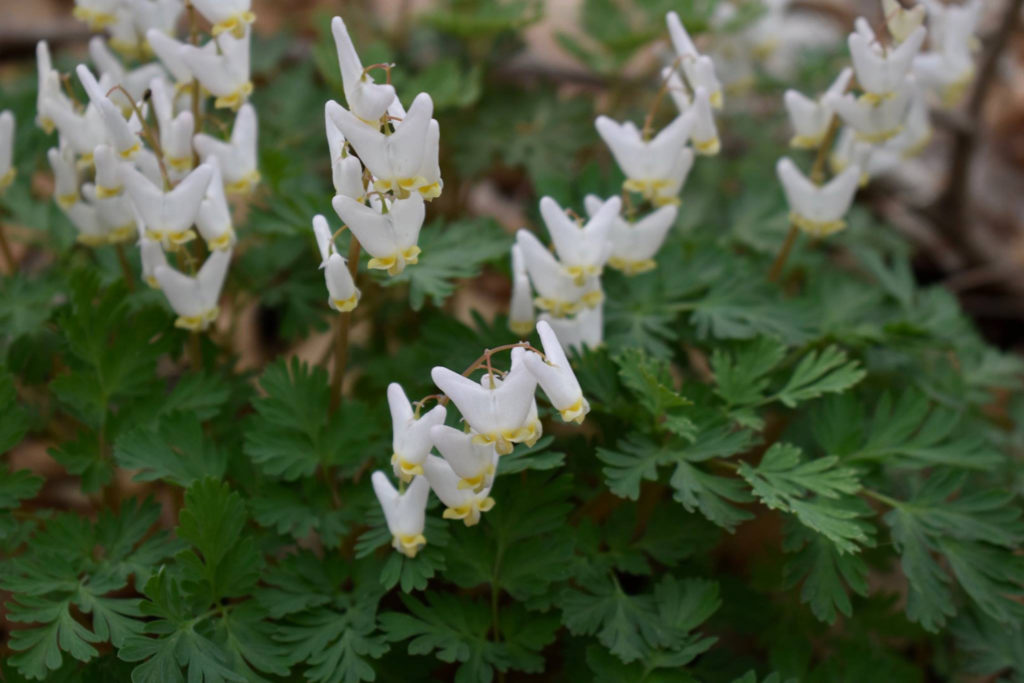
(367, 100)
(7, 168)
(168, 216)
(153, 257)
(98, 14)
(123, 137)
(811, 118)
(175, 130)
(520, 313)
(699, 69)
(49, 95)
(194, 299)
(948, 67)
(462, 503)
(343, 295)
(556, 378)
(880, 71)
(410, 439)
(237, 156)
(874, 120)
(556, 289)
(86, 220)
(404, 512)
(224, 72)
(169, 51)
(634, 244)
(582, 248)
(901, 22)
(818, 210)
(214, 217)
(114, 214)
(346, 170)
(585, 330)
(233, 16)
(108, 174)
(65, 174)
(475, 463)
(497, 410)
(135, 80)
(704, 133)
(656, 168)
(390, 238)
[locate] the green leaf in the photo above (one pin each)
(13, 418)
(16, 487)
(450, 252)
(711, 495)
(811, 490)
(818, 373)
(650, 381)
(39, 649)
(742, 377)
(175, 449)
(535, 457)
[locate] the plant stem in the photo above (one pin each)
(817, 175)
(5, 247)
(341, 338)
(195, 354)
(129, 276)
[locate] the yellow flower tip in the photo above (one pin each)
(471, 482)
(503, 446)
(708, 147)
(152, 282)
(234, 100)
(388, 263)
(7, 178)
(460, 512)
(627, 267)
(882, 136)
(431, 191)
(180, 164)
(66, 201)
(765, 48)
(592, 299)
(522, 328)
(382, 185)
(122, 234)
(104, 192)
(156, 235)
(85, 161)
(127, 154)
(183, 237)
(817, 228)
(222, 242)
(406, 470)
(666, 201)
(47, 125)
(408, 544)
(243, 185)
(876, 98)
(345, 305)
(412, 255)
(91, 240)
(576, 412)
(806, 141)
(716, 99)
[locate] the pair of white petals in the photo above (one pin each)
(818, 209)
(343, 295)
(699, 69)
(656, 168)
(558, 291)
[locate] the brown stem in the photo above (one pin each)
(783, 255)
(147, 132)
(649, 119)
(129, 276)
(5, 247)
(341, 338)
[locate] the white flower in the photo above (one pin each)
(346, 169)
(811, 118)
(634, 244)
(557, 291)
(135, 81)
(699, 69)
(152, 253)
(461, 503)
(520, 310)
(168, 216)
(122, 136)
(474, 463)
(238, 155)
(81, 131)
(410, 440)
(98, 14)
(169, 51)
(175, 131)
(949, 24)
(114, 214)
(65, 175)
(849, 150)
(556, 378)
(901, 22)
(498, 410)
(390, 238)
(403, 162)
(123, 36)
(367, 100)
(582, 249)
(880, 71)
(874, 120)
(949, 68)
(704, 133)
(404, 512)
(677, 90)
(194, 299)
(581, 331)
(49, 94)
(343, 295)
(818, 210)
(86, 220)
(214, 217)
(656, 168)
(7, 169)
(226, 15)
(224, 74)
(154, 14)
(108, 173)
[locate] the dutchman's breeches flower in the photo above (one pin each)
(655, 168)
(233, 16)
(214, 217)
(343, 295)
(223, 72)
(556, 289)
(699, 69)
(874, 120)
(65, 174)
(520, 310)
(237, 156)
(633, 245)
(404, 512)
(556, 378)
(585, 330)
(168, 216)
(410, 439)
(121, 134)
(462, 503)
(818, 210)
(582, 248)
(194, 299)
(367, 100)
(474, 463)
(811, 118)
(390, 238)
(881, 72)
(497, 410)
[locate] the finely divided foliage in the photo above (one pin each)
(699, 447)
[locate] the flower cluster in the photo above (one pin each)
(567, 282)
(384, 165)
(498, 411)
(889, 120)
(120, 176)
